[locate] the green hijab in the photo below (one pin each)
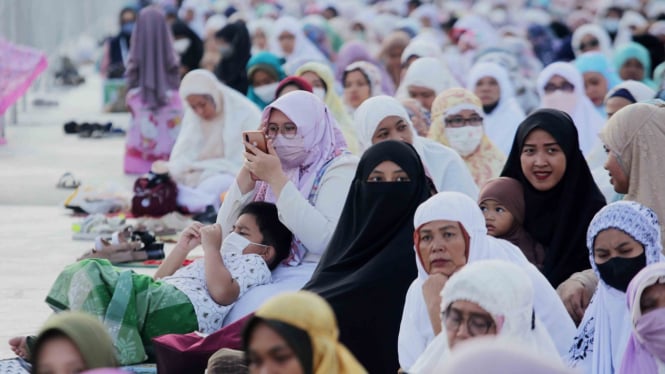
(86, 332)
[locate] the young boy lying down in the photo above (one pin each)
(135, 307)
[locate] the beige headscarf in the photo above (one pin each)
(311, 313)
(488, 160)
(636, 134)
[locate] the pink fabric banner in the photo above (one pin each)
(19, 67)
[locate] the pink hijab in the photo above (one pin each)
(153, 63)
(323, 139)
(639, 355)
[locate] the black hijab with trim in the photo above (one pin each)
(368, 266)
(558, 219)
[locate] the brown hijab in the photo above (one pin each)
(509, 193)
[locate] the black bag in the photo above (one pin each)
(154, 195)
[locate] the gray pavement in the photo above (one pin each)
(35, 229)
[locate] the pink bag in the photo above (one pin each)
(189, 353)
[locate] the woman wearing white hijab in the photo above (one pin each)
(591, 37)
(208, 151)
(426, 78)
(502, 115)
(288, 40)
(560, 86)
(504, 292)
(623, 238)
(462, 218)
(382, 118)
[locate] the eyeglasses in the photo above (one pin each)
(593, 43)
(476, 324)
(461, 121)
(288, 130)
(565, 87)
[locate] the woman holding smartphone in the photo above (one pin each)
(306, 172)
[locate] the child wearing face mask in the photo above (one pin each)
(502, 203)
(179, 299)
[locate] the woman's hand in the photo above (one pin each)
(575, 296)
(432, 294)
(266, 166)
(246, 182)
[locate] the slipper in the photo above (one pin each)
(71, 127)
(68, 181)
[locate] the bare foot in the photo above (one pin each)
(19, 345)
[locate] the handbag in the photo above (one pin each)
(189, 353)
(154, 195)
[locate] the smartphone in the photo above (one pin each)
(256, 138)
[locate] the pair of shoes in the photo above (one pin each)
(68, 181)
(126, 246)
(92, 130)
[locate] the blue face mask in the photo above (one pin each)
(127, 28)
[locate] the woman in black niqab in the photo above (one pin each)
(559, 217)
(232, 68)
(369, 264)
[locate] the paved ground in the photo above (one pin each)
(35, 230)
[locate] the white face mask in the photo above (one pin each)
(235, 243)
(181, 45)
(563, 101)
(465, 140)
(320, 92)
(266, 92)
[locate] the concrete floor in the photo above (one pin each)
(35, 229)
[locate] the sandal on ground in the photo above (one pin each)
(96, 225)
(68, 181)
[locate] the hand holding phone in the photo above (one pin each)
(257, 139)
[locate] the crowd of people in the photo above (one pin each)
(439, 181)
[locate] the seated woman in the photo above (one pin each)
(264, 71)
(288, 41)
(449, 234)
(320, 76)
(561, 86)
(383, 118)
(502, 113)
(361, 81)
(297, 333)
(633, 62)
(290, 84)
(486, 298)
(235, 47)
(69, 342)
(208, 154)
(622, 240)
(457, 122)
(307, 174)
(135, 307)
(373, 234)
(560, 195)
(644, 353)
(591, 38)
(188, 45)
(426, 78)
(152, 79)
(626, 93)
(599, 77)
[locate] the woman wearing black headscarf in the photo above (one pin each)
(560, 194)
(369, 265)
(235, 46)
(188, 45)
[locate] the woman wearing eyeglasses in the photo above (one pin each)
(487, 298)
(591, 37)
(450, 235)
(457, 122)
(306, 173)
(561, 86)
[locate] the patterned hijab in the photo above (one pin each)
(488, 160)
(603, 334)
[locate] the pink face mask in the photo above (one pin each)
(291, 152)
(651, 329)
(563, 101)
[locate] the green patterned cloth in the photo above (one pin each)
(133, 307)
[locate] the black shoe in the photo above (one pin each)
(209, 216)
